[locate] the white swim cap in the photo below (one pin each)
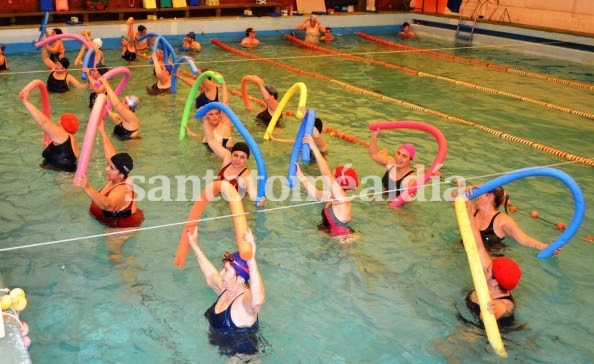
(132, 101)
(98, 42)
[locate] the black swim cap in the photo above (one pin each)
(123, 162)
(242, 147)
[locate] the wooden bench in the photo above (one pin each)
(87, 16)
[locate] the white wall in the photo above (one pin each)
(571, 15)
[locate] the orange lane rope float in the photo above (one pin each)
(476, 62)
(499, 134)
(441, 78)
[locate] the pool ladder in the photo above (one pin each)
(466, 26)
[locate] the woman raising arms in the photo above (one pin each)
(399, 176)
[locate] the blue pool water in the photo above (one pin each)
(393, 296)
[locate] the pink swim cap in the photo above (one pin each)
(410, 149)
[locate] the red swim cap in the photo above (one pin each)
(507, 272)
(69, 122)
(346, 177)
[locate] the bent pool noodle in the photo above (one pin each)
(239, 221)
(306, 127)
(192, 96)
(165, 46)
(45, 41)
(125, 72)
(478, 277)
(262, 174)
(94, 121)
(578, 198)
(244, 91)
(179, 61)
(43, 26)
(442, 150)
(44, 102)
(87, 61)
(281, 105)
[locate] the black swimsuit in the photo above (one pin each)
(122, 133)
(59, 157)
(488, 235)
(230, 339)
(394, 187)
(57, 86)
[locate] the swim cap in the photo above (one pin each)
(240, 266)
(272, 90)
(123, 162)
(191, 35)
(318, 124)
(507, 272)
(132, 101)
(69, 122)
(242, 147)
(346, 177)
(410, 149)
(64, 62)
(2, 46)
(98, 42)
(126, 38)
(141, 28)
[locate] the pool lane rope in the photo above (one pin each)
(588, 238)
(441, 78)
(475, 62)
(497, 133)
(578, 197)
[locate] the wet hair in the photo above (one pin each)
(248, 31)
(328, 28)
(499, 197)
(405, 24)
(318, 124)
(57, 30)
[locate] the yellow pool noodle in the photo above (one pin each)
(478, 277)
(281, 105)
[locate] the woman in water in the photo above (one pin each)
(494, 226)
(337, 211)
(399, 176)
(62, 152)
(114, 205)
(233, 317)
(124, 114)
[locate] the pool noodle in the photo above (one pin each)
(43, 26)
(44, 102)
(437, 162)
(244, 91)
(165, 46)
(125, 72)
(478, 277)
(281, 105)
(578, 197)
(45, 41)
(192, 96)
(94, 120)
(306, 127)
(179, 61)
(262, 173)
(239, 221)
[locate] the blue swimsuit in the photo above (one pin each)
(230, 339)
